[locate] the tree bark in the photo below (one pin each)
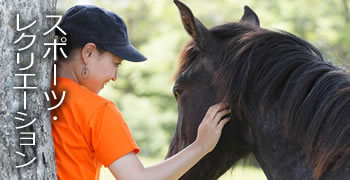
(12, 100)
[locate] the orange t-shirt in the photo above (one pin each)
(89, 131)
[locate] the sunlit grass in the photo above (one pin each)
(239, 172)
(244, 173)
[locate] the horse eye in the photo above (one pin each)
(177, 92)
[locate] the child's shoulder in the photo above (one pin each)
(79, 96)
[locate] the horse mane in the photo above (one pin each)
(269, 68)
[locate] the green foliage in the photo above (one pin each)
(143, 91)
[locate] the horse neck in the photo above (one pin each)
(279, 157)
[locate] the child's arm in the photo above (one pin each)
(130, 167)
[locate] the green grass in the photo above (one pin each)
(244, 173)
(239, 172)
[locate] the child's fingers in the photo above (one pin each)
(220, 115)
(223, 122)
(214, 109)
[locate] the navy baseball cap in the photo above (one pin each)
(106, 29)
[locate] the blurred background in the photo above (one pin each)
(143, 91)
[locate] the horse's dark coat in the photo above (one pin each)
(290, 108)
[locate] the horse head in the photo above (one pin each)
(285, 100)
(195, 93)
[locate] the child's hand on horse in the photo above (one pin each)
(209, 131)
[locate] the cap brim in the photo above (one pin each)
(129, 53)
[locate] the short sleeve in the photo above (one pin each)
(110, 135)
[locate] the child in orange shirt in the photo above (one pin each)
(90, 130)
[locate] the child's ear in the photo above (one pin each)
(88, 52)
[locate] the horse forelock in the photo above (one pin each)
(186, 57)
(278, 67)
(189, 52)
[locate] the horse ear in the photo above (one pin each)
(192, 25)
(250, 17)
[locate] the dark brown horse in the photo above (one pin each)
(291, 108)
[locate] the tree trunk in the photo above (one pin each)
(12, 100)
